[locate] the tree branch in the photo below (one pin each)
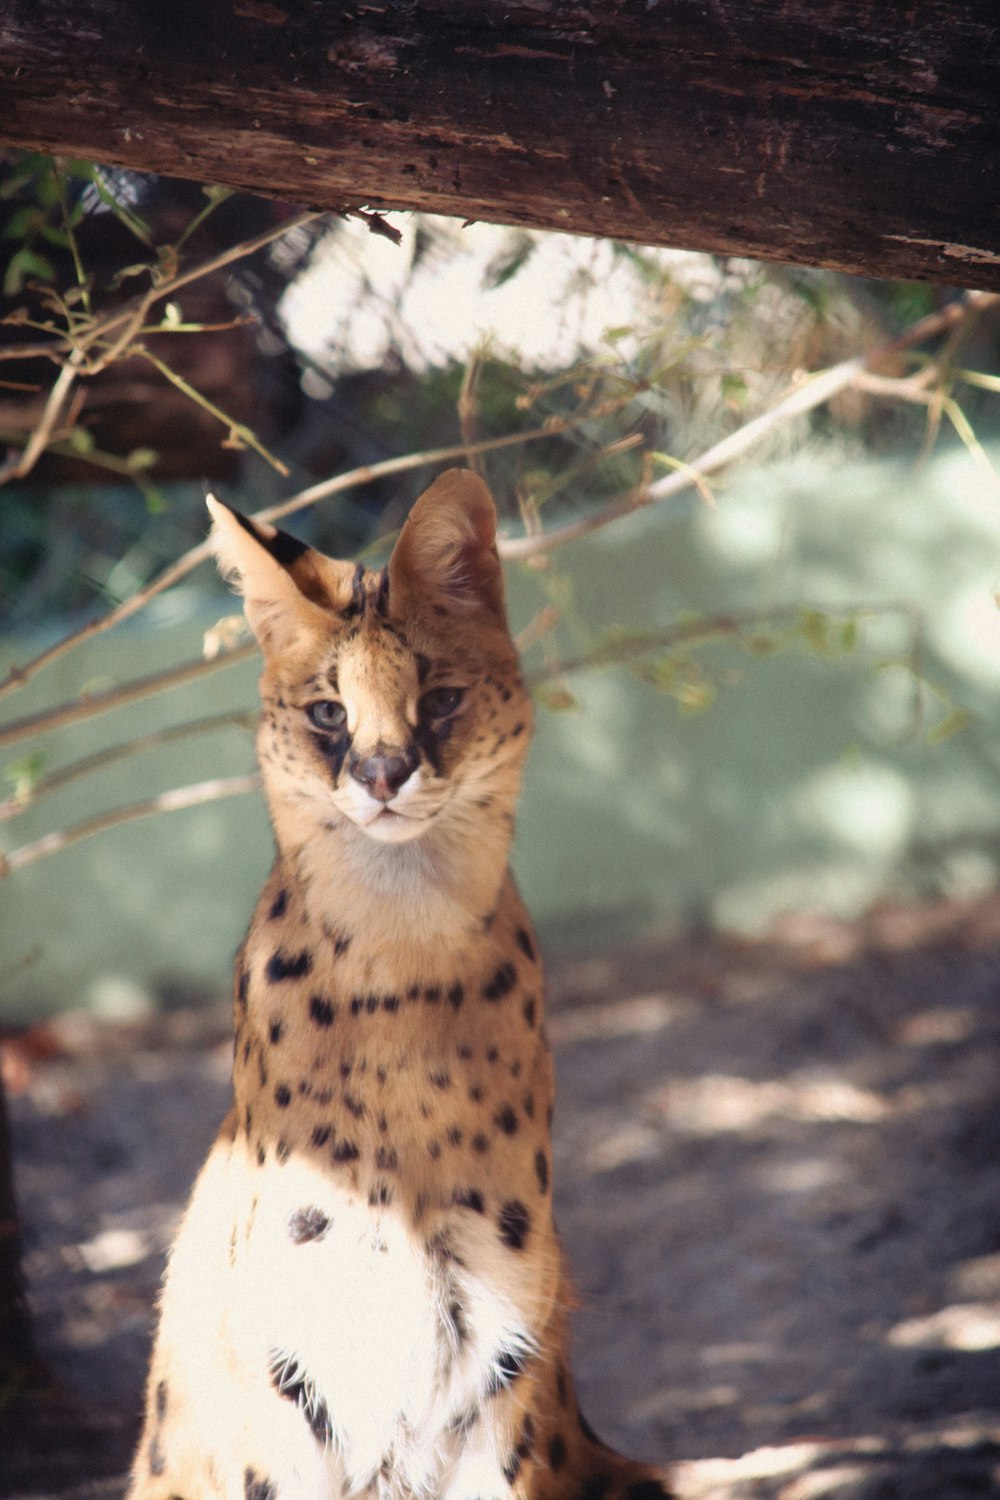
(171, 801)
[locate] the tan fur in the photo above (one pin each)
(367, 1295)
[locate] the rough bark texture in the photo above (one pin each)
(862, 137)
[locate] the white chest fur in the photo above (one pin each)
(375, 1344)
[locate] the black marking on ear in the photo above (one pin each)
(358, 596)
(285, 549)
(382, 594)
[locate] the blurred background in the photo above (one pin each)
(773, 692)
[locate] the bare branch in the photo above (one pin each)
(93, 704)
(171, 801)
(20, 802)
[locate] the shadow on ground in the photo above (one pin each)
(778, 1176)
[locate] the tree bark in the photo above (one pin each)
(857, 136)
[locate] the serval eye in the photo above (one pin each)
(327, 715)
(440, 702)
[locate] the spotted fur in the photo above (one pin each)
(367, 1295)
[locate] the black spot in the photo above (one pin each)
(386, 1159)
(530, 1011)
(506, 1120)
(454, 1135)
(242, 987)
(492, 1053)
(354, 1105)
(441, 1079)
(371, 1004)
(456, 995)
(253, 1487)
(381, 1075)
(525, 944)
(413, 993)
(279, 905)
(512, 1467)
(297, 1392)
(161, 1400)
(596, 1487)
(261, 1154)
(469, 1198)
(501, 984)
(507, 1365)
(542, 1171)
(456, 1319)
(282, 1096)
(480, 1143)
(321, 1010)
(307, 1224)
(557, 1452)
(528, 1105)
(514, 1224)
(274, 1032)
(321, 1134)
(283, 965)
(432, 994)
(157, 1457)
(390, 1003)
(341, 943)
(646, 1489)
(345, 1151)
(434, 1150)
(516, 731)
(380, 1195)
(357, 1005)
(282, 1150)
(475, 1093)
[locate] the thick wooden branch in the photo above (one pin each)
(846, 134)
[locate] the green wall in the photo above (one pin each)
(806, 785)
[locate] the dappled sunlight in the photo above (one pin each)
(717, 1103)
(963, 1325)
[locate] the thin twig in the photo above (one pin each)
(41, 435)
(171, 801)
(91, 705)
(705, 628)
(88, 764)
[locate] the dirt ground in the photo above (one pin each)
(777, 1173)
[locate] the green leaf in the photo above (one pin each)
(23, 774)
(814, 628)
(23, 265)
(23, 222)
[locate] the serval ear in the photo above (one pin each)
(287, 587)
(446, 555)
